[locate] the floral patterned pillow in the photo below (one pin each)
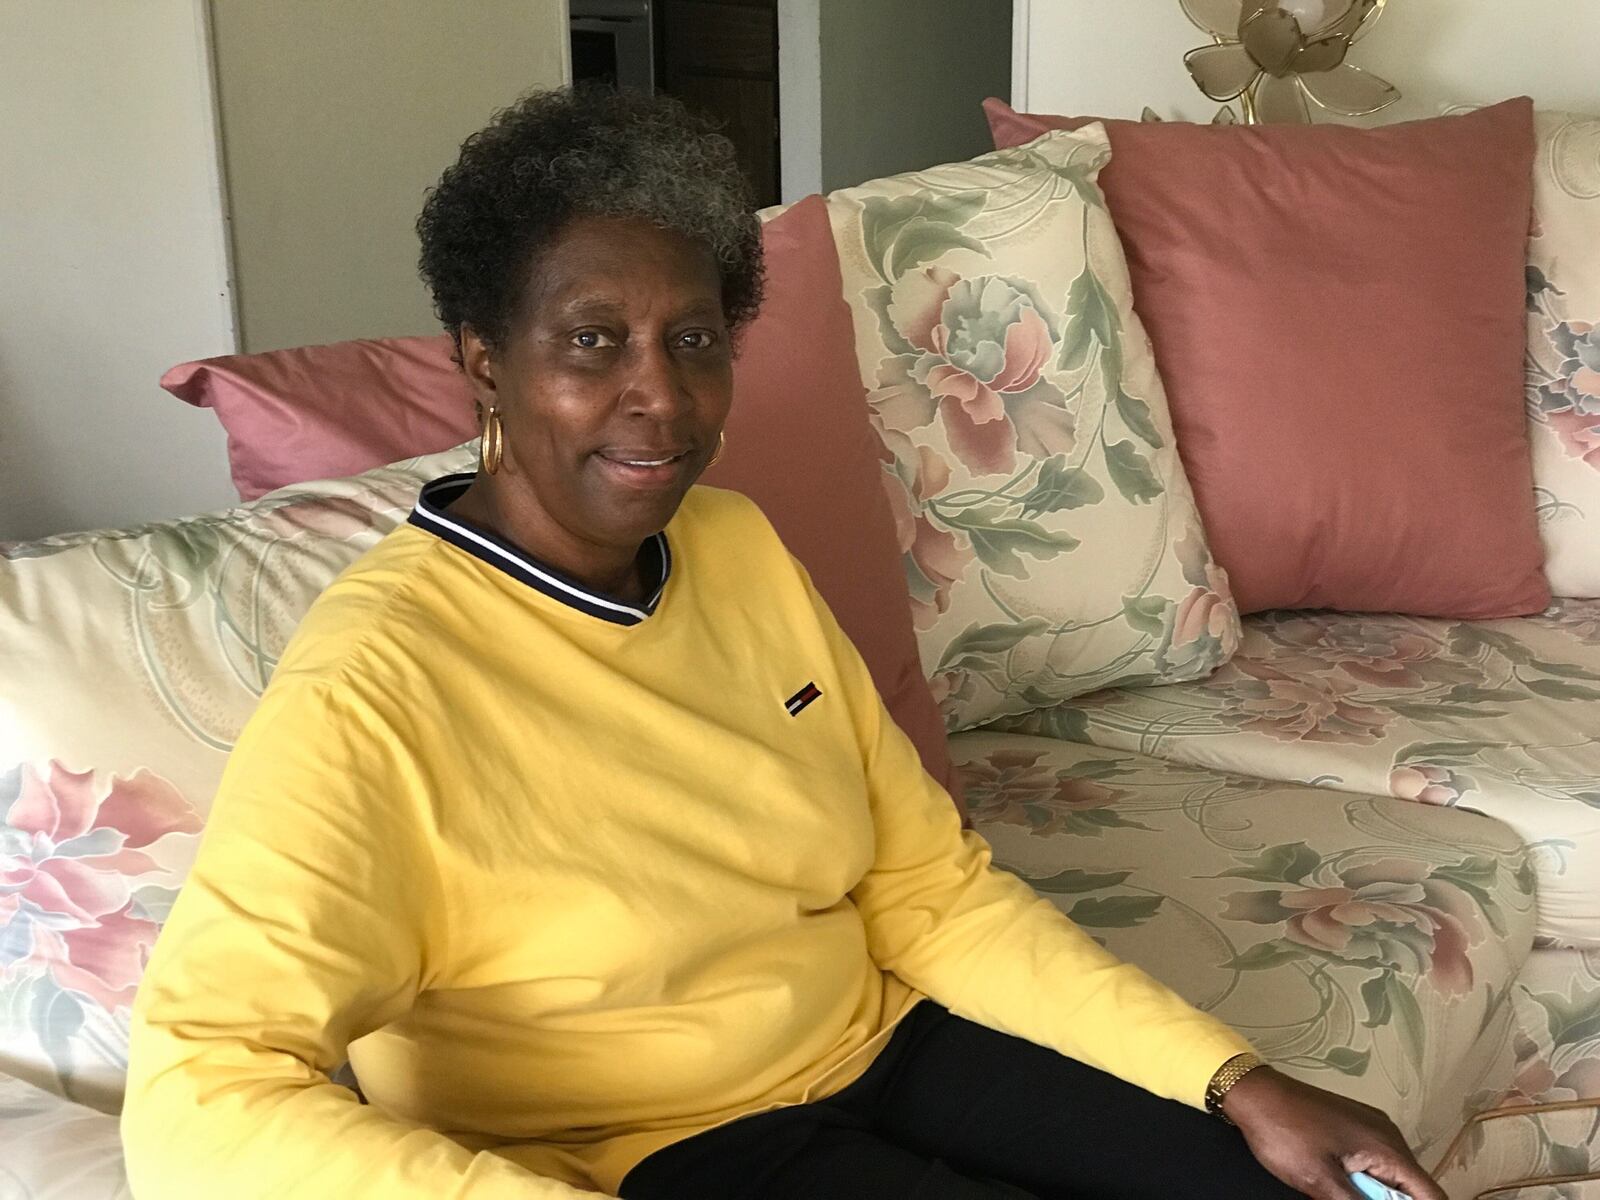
(1048, 532)
(1564, 349)
(132, 659)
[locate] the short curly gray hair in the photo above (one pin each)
(557, 155)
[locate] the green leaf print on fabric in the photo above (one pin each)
(1573, 1018)
(1132, 473)
(902, 232)
(1060, 488)
(1073, 881)
(1278, 864)
(999, 540)
(981, 644)
(1114, 912)
(181, 557)
(1558, 689)
(1265, 955)
(1148, 614)
(1347, 1061)
(1136, 415)
(1093, 320)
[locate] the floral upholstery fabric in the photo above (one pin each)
(1049, 535)
(1544, 1133)
(1501, 717)
(133, 658)
(1363, 943)
(1564, 348)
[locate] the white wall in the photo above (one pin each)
(1112, 57)
(336, 117)
(112, 264)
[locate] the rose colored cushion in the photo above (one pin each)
(1337, 314)
(798, 442)
(324, 412)
(800, 445)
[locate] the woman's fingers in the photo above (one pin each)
(1395, 1166)
(1406, 1176)
(1333, 1184)
(1312, 1139)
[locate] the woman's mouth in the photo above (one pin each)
(642, 468)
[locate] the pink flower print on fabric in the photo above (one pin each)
(1569, 402)
(935, 558)
(1374, 652)
(67, 852)
(1205, 625)
(1011, 787)
(980, 348)
(1382, 913)
(1428, 784)
(1292, 708)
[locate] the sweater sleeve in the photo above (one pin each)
(312, 917)
(981, 942)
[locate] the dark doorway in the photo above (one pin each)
(720, 57)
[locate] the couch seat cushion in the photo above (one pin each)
(1501, 717)
(1363, 943)
(55, 1149)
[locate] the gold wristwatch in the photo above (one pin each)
(1228, 1074)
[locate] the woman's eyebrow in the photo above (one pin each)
(591, 304)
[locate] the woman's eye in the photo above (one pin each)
(591, 339)
(698, 339)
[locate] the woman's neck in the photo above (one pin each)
(612, 572)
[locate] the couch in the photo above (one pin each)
(1363, 839)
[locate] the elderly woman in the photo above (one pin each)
(572, 817)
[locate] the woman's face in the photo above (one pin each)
(612, 386)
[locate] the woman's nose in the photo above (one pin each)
(655, 382)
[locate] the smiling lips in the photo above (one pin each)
(642, 468)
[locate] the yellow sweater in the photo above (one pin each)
(570, 880)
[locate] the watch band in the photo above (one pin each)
(1228, 1074)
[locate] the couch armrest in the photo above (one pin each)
(54, 1149)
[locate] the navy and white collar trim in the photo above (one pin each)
(430, 514)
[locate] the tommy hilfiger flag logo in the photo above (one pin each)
(801, 698)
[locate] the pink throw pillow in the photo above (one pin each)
(799, 443)
(324, 412)
(1338, 316)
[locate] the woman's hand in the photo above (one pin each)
(1313, 1140)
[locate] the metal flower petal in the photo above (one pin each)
(1280, 101)
(1362, 18)
(1324, 54)
(1317, 17)
(1223, 71)
(1219, 18)
(1273, 38)
(1350, 90)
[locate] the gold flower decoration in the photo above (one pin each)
(1274, 55)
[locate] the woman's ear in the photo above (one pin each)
(477, 365)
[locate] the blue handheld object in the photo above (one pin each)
(1373, 1190)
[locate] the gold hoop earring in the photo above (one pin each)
(722, 441)
(492, 447)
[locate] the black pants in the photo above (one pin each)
(953, 1111)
